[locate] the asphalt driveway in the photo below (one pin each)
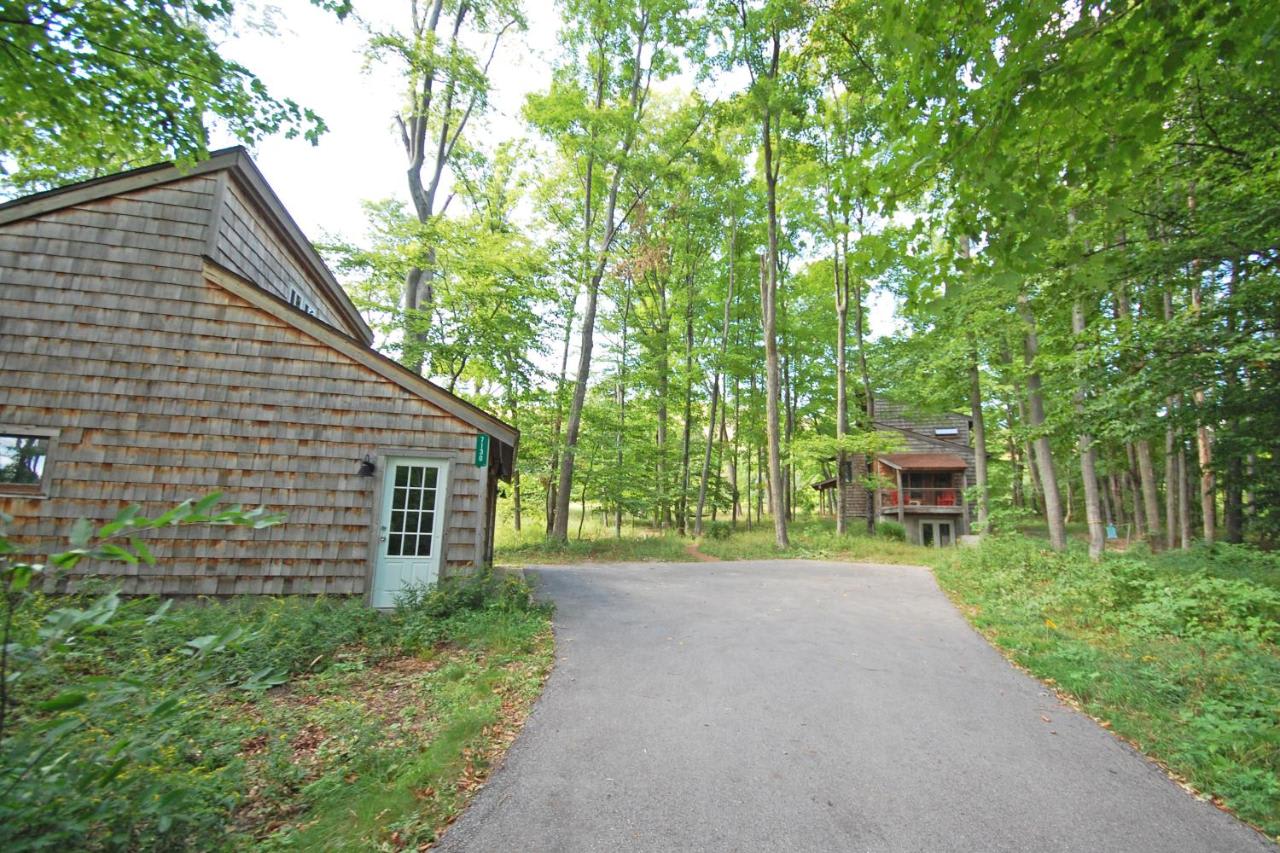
(808, 706)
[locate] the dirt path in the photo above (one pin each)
(692, 550)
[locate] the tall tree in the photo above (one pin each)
(446, 84)
(598, 112)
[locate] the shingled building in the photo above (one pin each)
(922, 487)
(166, 333)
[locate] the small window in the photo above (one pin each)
(24, 457)
(297, 301)
(947, 432)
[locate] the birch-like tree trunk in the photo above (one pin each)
(1088, 462)
(638, 89)
(715, 392)
(769, 305)
(1044, 453)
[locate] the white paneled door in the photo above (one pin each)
(411, 529)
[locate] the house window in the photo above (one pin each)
(947, 432)
(24, 456)
(297, 300)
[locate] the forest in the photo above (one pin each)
(1067, 213)
(1071, 205)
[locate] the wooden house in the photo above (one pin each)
(166, 333)
(922, 487)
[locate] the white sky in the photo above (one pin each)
(318, 61)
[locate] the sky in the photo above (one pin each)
(308, 55)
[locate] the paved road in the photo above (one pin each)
(808, 706)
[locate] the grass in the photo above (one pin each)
(531, 546)
(815, 539)
(380, 728)
(1176, 653)
(811, 538)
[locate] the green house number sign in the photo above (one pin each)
(482, 450)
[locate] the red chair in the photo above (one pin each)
(947, 498)
(891, 498)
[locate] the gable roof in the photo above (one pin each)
(237, 163)
(234, 161)
(501, 431)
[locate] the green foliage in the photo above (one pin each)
(78, 746)
(891, 530)
(1175, 657)
(124, 720)
(718, 530)
(90, 88)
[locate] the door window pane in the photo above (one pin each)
(926, 533)
(412, 517)
(944, 533)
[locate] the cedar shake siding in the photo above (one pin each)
(151, 329)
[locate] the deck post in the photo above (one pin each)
(902, 500)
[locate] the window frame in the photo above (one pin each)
(32, 490)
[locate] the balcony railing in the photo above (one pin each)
(930, 497)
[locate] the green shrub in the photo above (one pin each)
(891, 530)
(123, 721)
(1178, 650)
(718, 530)
(428, 613)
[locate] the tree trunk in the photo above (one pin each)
(688, 408)
(1141, 451)
(768, 306)
(1233, 479)
(735, 495)
(1140, 517)
(1150, 496)
(715, 391)
(1015, 459)
(788, 429)
(1184, 499)
(1233, 500)
(1172, 490)
(975, 414)
(558, 423)
(1044, 453)
(979, 440)
(622, 410)
(560, 530)
(515, 473)
(1088, 462)
(868, 398)
(842, 381)
(1204, 433)
(1104, 492)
